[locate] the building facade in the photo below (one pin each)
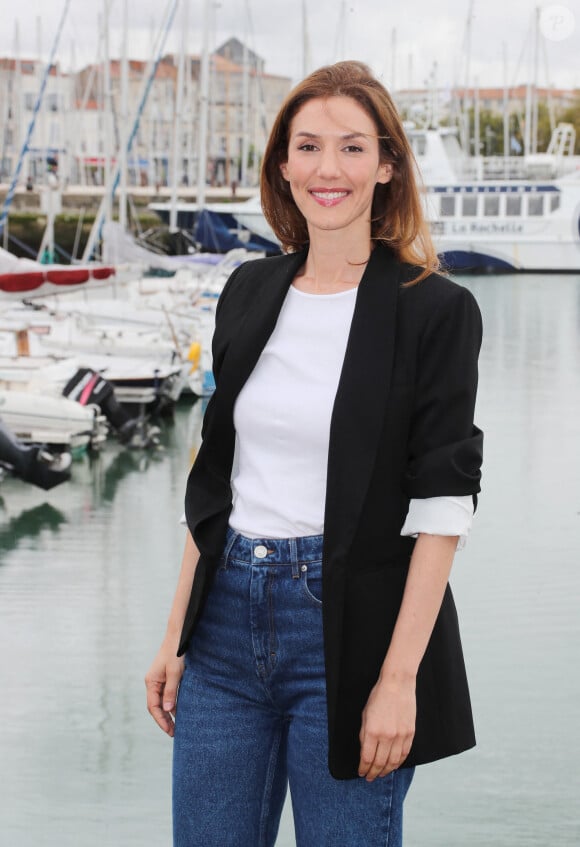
(84, 120)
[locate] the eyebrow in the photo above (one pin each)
(348, 137)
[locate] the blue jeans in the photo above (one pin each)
(251, 714)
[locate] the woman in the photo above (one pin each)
(338, 469)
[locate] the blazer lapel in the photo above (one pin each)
(358, 412)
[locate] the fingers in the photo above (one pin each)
(170, 691)
(162, 696)
(379, 757)
(368, 751)
(374, 765)
(161, 716)
(395, 758)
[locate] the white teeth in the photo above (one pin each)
(329, 195)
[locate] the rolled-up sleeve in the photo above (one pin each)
(445, 447)
(440, 516)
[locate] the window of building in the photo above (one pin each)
(469, 205)
(447, 206)
(535, 205)
(491, 205)
(513, 205)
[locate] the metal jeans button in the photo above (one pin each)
(260, 551)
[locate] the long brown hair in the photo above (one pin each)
(397, 218)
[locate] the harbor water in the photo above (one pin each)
(87, 573)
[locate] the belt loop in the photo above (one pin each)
(293, 549)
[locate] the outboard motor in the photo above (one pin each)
(89, 387)
(33, 463)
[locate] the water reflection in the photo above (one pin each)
(105, 473)
(28, 524)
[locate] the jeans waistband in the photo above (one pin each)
(273, 551)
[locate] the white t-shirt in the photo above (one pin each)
(282, 421)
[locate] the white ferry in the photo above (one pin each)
(530, 222)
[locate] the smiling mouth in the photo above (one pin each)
(328, 198)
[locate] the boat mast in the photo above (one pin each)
(106, 113)
(476, 121)
(306, 58)
(392, 81)
(534, 130)
(13, 105)
(203, 107)
(506, 128)
(178, 117)
(467, 95)
(245, 102)
(339, 48)
(124, 120)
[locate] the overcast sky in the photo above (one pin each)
(425, 32)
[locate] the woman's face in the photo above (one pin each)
(333, 165)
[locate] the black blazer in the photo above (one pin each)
(401, 428)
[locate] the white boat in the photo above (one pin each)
(36, 418)
(530, 222)
(144, 366)
(20, 277)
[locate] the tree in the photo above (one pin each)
(572, 116)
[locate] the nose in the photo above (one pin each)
(328, 164)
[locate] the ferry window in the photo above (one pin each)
(469, 205)
(491, 205)
(513, 205)
(554, 202)
(535, 205)
(447, 207)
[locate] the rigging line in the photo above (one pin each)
(523, 52)
(31, 125)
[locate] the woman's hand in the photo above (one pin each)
(388, 727)
(388, 719)
(162, 681)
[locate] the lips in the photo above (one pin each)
(328, 197)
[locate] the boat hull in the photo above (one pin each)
(36, 418)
